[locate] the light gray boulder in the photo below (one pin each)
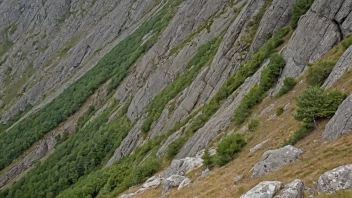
(172, 181)
(294, 189)
(153, 182)
(337, 179)
(266, 189)
(341, 123)
(186, 182)
(273, 160)
(183, 166)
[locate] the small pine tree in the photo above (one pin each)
(207, 161)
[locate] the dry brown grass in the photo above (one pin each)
(318, 156)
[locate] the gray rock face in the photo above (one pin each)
(172, 181)
(341, 123)
(337, 179)
(183, 166)
(322, 28)
(294, 189)
(276, 16)
(266, 189)
(275, 159)
(342, 66)
(202, 138)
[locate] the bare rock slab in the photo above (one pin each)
(341, 123)
(294, 189)
(273, 160)
(337, 179)
(266, 189)
(172, 181)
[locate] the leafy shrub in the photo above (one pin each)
(289, 84)
(318, 73)
(301, 133)
(268, 78)
(315, 103)
(279, 111)
(174, 148)
(253, 124)
(299, 9)
(207, 159)
(228, 148)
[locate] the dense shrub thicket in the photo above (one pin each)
(299, 9)
(318, 73)
(115, 65)
(289, 84)
(228, 148)
(268, 78)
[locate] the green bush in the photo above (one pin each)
(299, 9)
(318, 73)
(174, 148)
(253, 124)
(315, 103)
(301, 133)
(289, 84)
(268, 78)
(207, 159)
(229, 147)
(279, 111)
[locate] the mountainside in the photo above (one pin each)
(176, 98)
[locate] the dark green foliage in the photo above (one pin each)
(228, 148)
(174, 148)
(318, 73)
(315, 103)
(301, 133)
(289, 84)
(346, 43)
(114, 65)
(85, 117)
(207, 159)
(279, 111)
(236, 80)
(6, 45)
(253, 124)
(198, 61)
(299, 9)
(269, 77)
(17, 117)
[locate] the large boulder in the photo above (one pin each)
(337, 179)
(341, 123)
(172, 181)
(186, 182)
(183, 166)
(266, 189)
(275, 159)
(294, 189)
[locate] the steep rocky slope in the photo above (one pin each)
(99, 96)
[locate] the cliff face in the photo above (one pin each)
(190, 67)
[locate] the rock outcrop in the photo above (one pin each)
(266, 189)
(337, 179)
(322, 28)
(275, 159)
(174, 181)
(341, 123)
(258, 147)
(294, 189)
(183, 166)
(342, 66)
